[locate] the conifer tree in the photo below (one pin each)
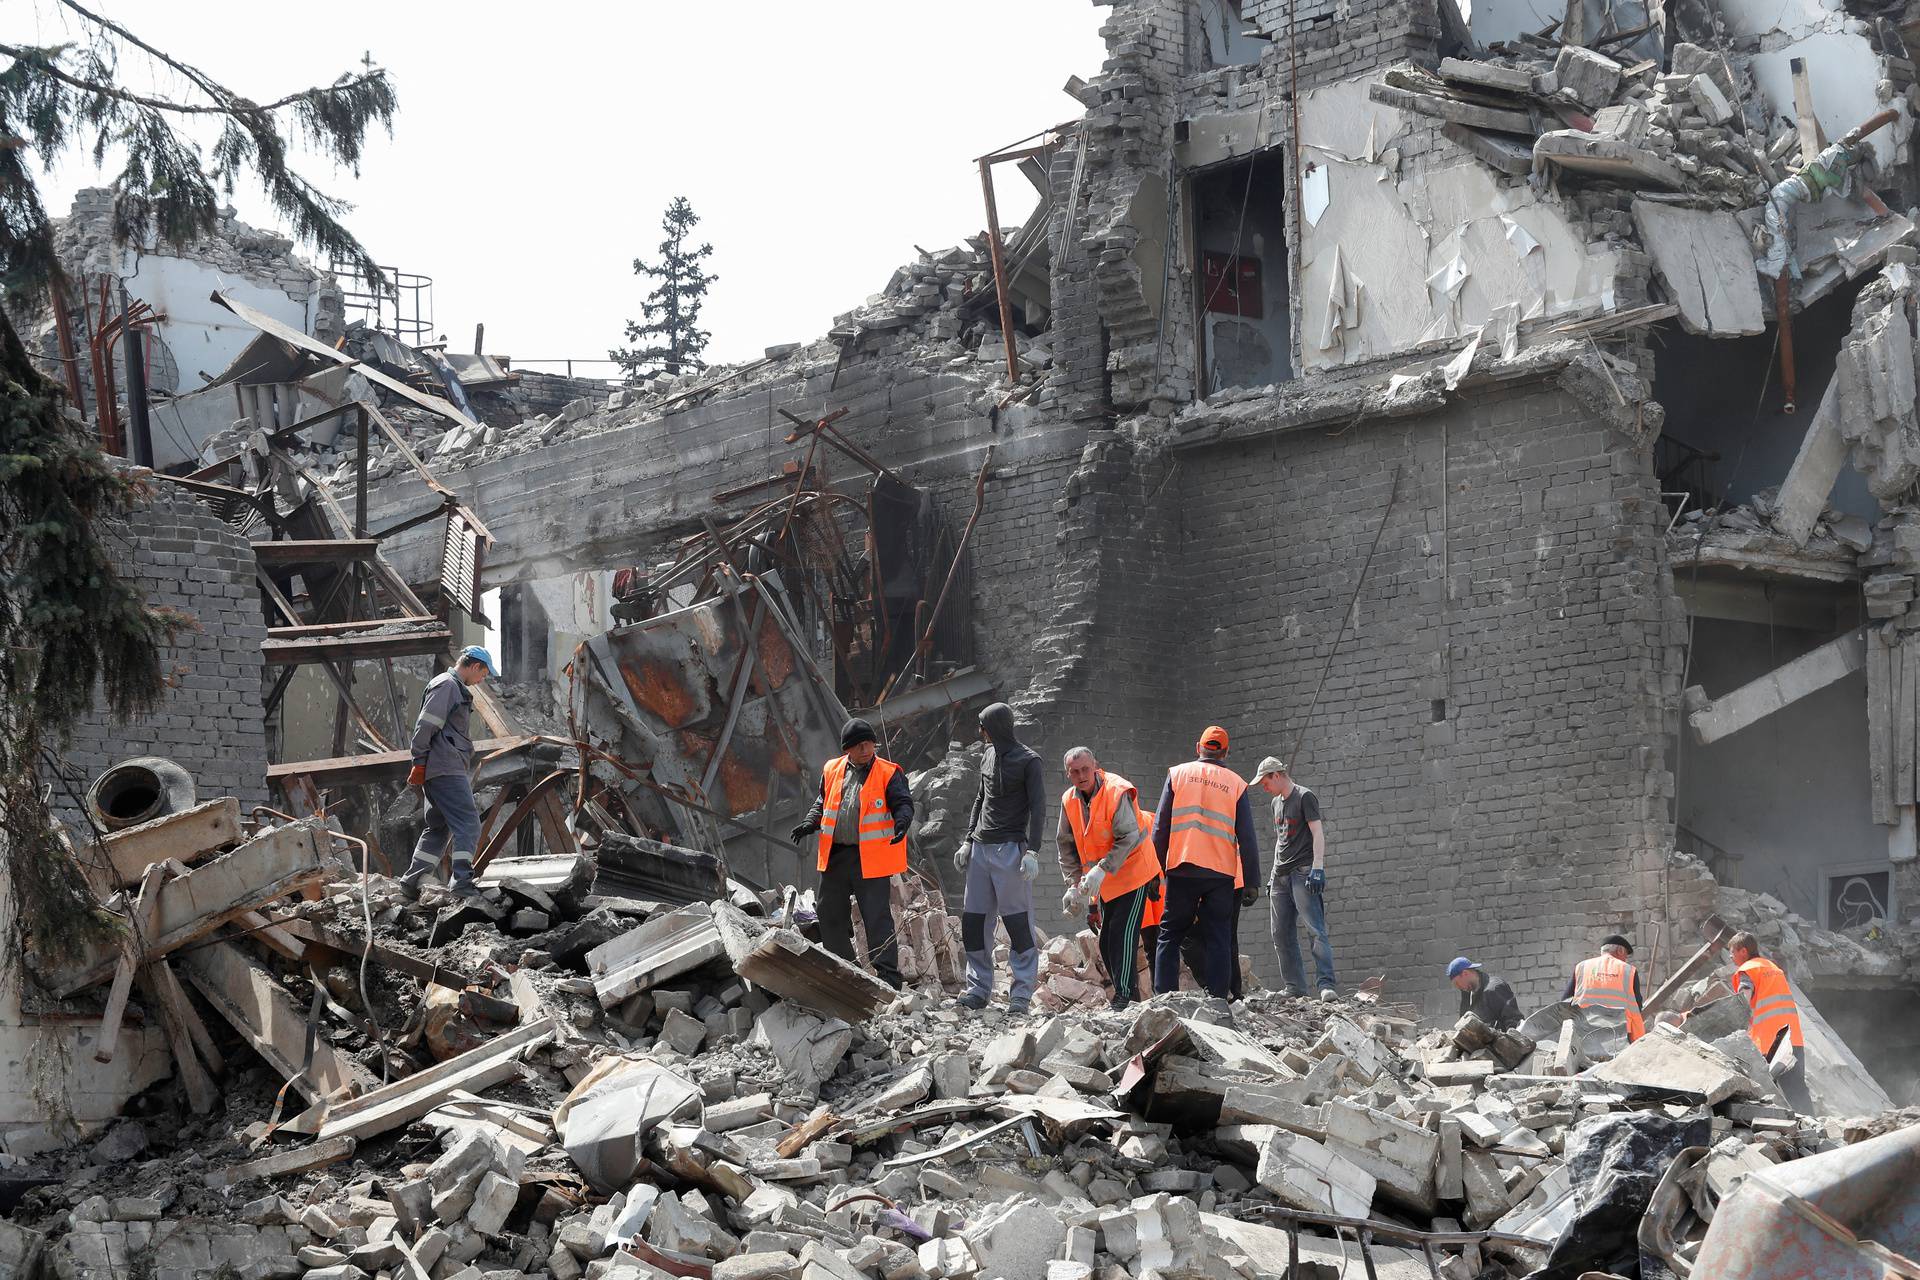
(671, 328)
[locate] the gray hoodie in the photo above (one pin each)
(1011, 805)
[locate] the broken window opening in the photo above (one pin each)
(1228, 40)
(1242, 293)
(1726, 437)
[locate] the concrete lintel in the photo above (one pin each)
(1786, 684)
(1823, 451)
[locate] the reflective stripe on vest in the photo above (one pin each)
(1606, 983)
(1203, 830)
(880, 853)
(1773, 1006)
(1093, 834)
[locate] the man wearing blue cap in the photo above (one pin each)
(442, 761)
(1484, 994)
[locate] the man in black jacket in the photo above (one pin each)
(999, 860)
(1484, 994)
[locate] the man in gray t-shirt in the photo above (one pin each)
(1299, 878)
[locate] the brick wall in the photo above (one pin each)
(1516, 578)
(180, 555)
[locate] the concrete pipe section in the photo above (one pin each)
(139, 790)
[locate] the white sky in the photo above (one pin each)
(536, 145)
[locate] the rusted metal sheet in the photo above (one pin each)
(1847, 1214)
(655, 694)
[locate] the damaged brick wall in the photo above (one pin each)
(1517, 579)
(181, 556)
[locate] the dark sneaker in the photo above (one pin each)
(467, 891)
(1118, 1003)
(972, 1002)
(1017, 1008)
(409, 888)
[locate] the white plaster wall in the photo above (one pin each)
(1429, 250)
(1842, 68)
(204, 336)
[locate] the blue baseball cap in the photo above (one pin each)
(475, 653)
(1459, 965)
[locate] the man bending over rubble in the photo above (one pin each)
(998, 859)
(1105, 856)
(442, 761)
(862, 814)
(1776, 1016)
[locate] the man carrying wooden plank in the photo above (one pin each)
(442, 767)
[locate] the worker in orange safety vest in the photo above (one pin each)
(862, 815)
(1204, 835)
(1106, 855)
(1608, 981)
(1775, 1015)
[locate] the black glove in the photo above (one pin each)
(801, 832)
(1153, 889)
(1249, 895)
(900, 830)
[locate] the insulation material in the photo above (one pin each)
(1439, 252)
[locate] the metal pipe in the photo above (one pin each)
(69, 355)
(999, 272)
(133, 344)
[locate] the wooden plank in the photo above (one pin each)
(187, 837)
(398, 961)
(200, 1091)
(405, 1101)
(175, 996)
(131, 946)
(271, 936)
(354, 627)
(315, 550)
(246, 995)
(1805, 122)
(283, 1164)
(193, 905)
(281, 651)
(344, 771)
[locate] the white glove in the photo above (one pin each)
(1071, 902)
(1029, 865)
(963, 855)
(1090, 883)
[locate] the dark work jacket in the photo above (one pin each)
(1493, 1000)
(1010, 806)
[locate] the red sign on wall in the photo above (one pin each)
(1233, 284)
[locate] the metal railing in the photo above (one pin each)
(399, 303)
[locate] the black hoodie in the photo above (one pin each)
(1011, 805)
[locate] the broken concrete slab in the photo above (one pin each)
(662, 948)
(408, 1099)
(1610, 158)
(1670, 1060)
(609, 1114)
(1504, 152)
(1707, 265)
(189, 907)
(1823, 453)
(807, 1046)
(243, 992)
(1301, 1171)
(1786, 684)
(1452, 110)
(187, 837)
(786, 964)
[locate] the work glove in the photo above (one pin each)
(1249, 895)
(963, 855)
(1153, 889)
(1090, 882)
(801, 832)
(1072, 901)
(1317, 879)
(417, 776)
(900, 830)
(1029, 865)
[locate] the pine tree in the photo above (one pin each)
(72, 630)
(672, 310)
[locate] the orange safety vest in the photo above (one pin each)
(1773, 1006)
(1606, 983)
(880, 853)
(1093, 834)
(1206, 802)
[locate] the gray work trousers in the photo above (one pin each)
(452, 819)
(995, 887)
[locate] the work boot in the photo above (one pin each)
(971, 1001)
(467, 891)
(1016, 1008)
(1328, 993)
(1118, 1003)
(409, 886)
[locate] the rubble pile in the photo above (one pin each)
(554, 1082)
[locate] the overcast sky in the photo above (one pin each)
(536, 145)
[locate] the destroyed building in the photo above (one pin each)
(1387, 381)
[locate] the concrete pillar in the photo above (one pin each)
(1787, 683)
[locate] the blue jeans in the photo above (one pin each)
(1293, 901)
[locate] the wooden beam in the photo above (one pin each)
(342, 771)
(1717, 935)
(315, 550)
(186, 837)
(283, 1164)
(405, 1101)
(192, 905)
(143, 906)
(286, 646)
(201, 1094)
(246, 995)
(399, 961)
(175, 998)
